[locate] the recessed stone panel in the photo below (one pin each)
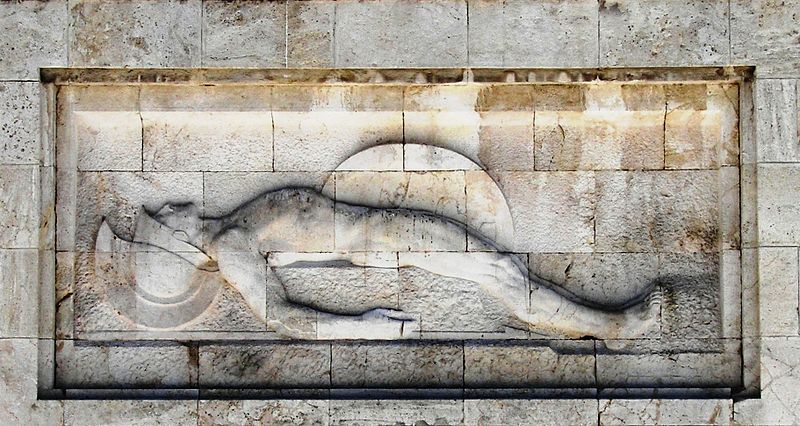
(338, 232)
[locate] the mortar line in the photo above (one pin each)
(286, 34)
(333, 33)
(202, 35)
(466, 2)
(730, 37)
(599, 4)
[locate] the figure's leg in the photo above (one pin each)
(504, 278)
(243, 269)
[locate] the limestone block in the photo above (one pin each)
(134, 34)
(778, 278)
(129, 412)
(19, 122)
(748, 207)
(365, 229)
(244, 34)
(19, 206)
(310, 33)
(778, 210)
(453, 117)
(19, 281)
(731, 294)
(552, 212)
(705, 138)
(440, 193)
(363, 412)
(608, 279)
(18, 394)
(690, 285)
(339, 287)
(207, 141)
(33, 36)
(254, 413)
(384, 158)
(64, 295)
(670, 33)
(297, 365)
(675, 211)
(108, 140)
(378, 365)
(596, 140)
(374, 34)
(666, 411)
(730, 205)
(225, 191)
(526, 364)
(763, 33)
(321, 140)
(530, 412)
(779, 401)
(776, 120)
(418, 157)
(668, 363)
(499, 35)
(109, 365)
(506, 140)
(190, 98)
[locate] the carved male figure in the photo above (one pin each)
(256, 239)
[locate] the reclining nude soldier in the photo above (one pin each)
(256, 239)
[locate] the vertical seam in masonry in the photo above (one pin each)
(286, 34)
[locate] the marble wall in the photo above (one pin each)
(323, 33)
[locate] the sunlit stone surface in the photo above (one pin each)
(349, 236)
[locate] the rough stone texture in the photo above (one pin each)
(19, 122)
(669, 33)
(154, 365)
(374, 34)
(597, 276)
(254, 413)
(485, 412)
(297, 365)
(18, 287)
(379, 365)
(778, 209)
(388, 411)
(19, 206)
(449, 304)
(18, 386)
(674, 211)
(776, 120)
(764, 32)
(668, 363)
(127, 412)
(778, 276)
(666, 412)
(225, 191)
(593, 141)
(515, 365)
(163, 33)
(310, 33)
(441, 193)
(194, 141)
(33, 36)
(244, 34)
(502, 35)
(779, 403)
(560, 202)
(108, 140)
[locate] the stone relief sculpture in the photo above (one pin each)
(255, 248)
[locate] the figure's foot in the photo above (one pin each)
(644, 320)
(375, 324)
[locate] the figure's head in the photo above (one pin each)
(183, 219)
